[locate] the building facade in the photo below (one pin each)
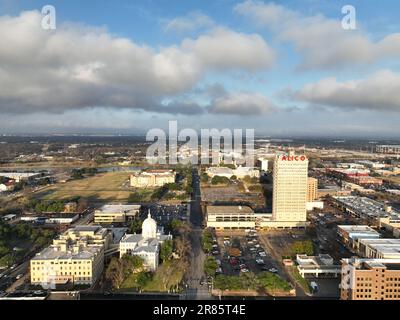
(146, 245)
(152, 178)
(388, 149)
(370, 279)
(77, 256)
(111, 213)
(230, 217)
(312, 189)
(290, 182)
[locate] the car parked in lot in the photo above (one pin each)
(260, 261)
(273, 270)
(262, 254)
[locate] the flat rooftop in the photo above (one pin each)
(118, 208)
(229, 210)
(53, 253)
(367, 207)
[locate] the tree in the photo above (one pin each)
(7, 260)
(301, 247)
(131, 264)
(219, 180)
(204, 177)
(115, 273)
(210, 266)
(207, 241)
(271, 282)
(166, 250)
(136, 225)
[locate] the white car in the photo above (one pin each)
(19, 276)
(260, 261)
(262, 254)
(273, 270)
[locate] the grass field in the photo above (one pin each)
(111, 186)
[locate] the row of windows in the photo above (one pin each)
(61, 268)
(69, 274)
(76, 278)
(61, 262)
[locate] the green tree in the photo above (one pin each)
(166, 250)
(7, 261)
(210, 266)
(136, 225)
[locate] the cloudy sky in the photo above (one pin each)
(282, 68)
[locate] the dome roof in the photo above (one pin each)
(149, 227)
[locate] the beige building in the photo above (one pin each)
(77, 256)
(312, 189)
(117, 213)
(152, 178)
(290, 182)
(230, 217)
(370, 279)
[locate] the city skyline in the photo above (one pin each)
(125, 68)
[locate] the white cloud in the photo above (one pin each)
(191, 22)
(225, 49)
(245, 104)
(321, 41)
(380, 91)
(75, 67)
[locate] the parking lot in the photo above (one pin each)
(164, 214)
(242, 254)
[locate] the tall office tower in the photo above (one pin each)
(312, 189)
(290, 188)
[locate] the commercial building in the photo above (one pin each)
(333, 192)
(350, 235)
(290, 182)
(119, 213)
(240, 172)
(263, 164)
(379, 248)
(152, 178)
(77, 256)
(146, 245)
(370, 279)
(312, 189)
(55, 218)
(317, 266)
(363, 207)
(388, 149)
(230, 217)
(21, 176)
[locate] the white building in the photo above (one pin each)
(240, 172)
(264, 164)
(146, 245)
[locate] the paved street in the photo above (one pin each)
(195, 290)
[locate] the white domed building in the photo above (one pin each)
(146, 245)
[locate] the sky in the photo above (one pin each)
(283, 68)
